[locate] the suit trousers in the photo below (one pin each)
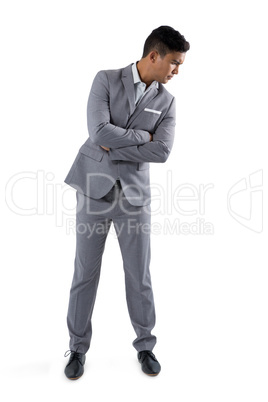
(132, 226)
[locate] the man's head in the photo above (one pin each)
(164, 50)
(165, 40)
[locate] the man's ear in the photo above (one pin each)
(153, 56)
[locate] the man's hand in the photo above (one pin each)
(106, 149)
(151, 137)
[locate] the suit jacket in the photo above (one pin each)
(114, 121)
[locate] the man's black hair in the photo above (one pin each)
(165, 40)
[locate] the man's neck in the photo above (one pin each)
(143, 72)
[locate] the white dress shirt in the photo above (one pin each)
(140, 87)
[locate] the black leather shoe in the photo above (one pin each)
(149, 363)
(74, 368)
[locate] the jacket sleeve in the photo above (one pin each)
(100, 130)
(157, 150)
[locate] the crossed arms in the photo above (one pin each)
(127, 144)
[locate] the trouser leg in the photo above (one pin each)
(132, 225)
(91, 234)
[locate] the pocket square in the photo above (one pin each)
(152, 111)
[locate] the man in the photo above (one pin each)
(131, 122)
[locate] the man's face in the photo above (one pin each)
(165, 68)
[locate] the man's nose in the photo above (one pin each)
(176, 70)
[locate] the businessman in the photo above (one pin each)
(131, 122)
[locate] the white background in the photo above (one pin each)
(210, 289)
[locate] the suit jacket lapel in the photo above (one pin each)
(143, 103)
(127, 78)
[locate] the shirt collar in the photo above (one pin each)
(136, 76)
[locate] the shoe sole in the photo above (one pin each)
(152, 375)
(75, 378)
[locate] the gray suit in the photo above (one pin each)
(114, 187)
(113, 121)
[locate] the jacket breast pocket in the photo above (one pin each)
(150, 118)
(145, 121)
(143, 165)
(95, 154)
